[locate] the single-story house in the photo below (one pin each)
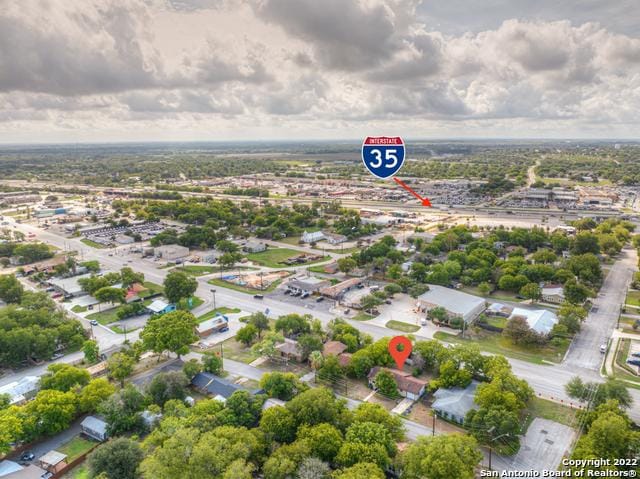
(95, 428)
(53, 461)
(171, 252)
(312, 237)
(255, 246)
(334, 238)
(13, 470)
(453, 404)
(217, 324)
(290, 350)
(334, 348)
(540, 320)
(69, 286)
(219, 388)
(331, 268)
(553, 293)
(408, 386)
(22, 390)
(134, 291)
(457, 304)
(499, 309)
(161, 307)
(337, 290)
(309, 284)
(7, 467)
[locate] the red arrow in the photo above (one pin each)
(424, 201)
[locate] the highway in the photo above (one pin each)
(546, 380)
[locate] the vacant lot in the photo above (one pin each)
(497, 344)
(213, 312)
(400, 326)
(633, 298)
(553, 411)
(76, 447)
(276, 257)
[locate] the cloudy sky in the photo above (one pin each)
(129, 70)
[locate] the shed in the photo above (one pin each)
(53, 461)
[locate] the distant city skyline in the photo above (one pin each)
(233, 70)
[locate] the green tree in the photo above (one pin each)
(441, 457)
(166, 386)
(91, 351)
(362, 470)
(371, 433)
(347, 264)
(278, 424)
(318, 405)
(49, 413)
(324, 440)
(293, 324)
(121, 410)
(247, 334)
(179, 285)
(531, 291)
(120, 367)
(283, 386)
(576, 293)
(375, 413)
(212, 363)
(191, 368)
(64, 377)
(260, 321)
(173, 331)
(94, 393)
(484, 288)
(130, 277)
(354, 452)
(585, 242)
(118, 459)
(599, 393)
(110, 295)
(11, 429)
(386, 384)
(11, 289)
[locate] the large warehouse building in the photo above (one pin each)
(456, 303)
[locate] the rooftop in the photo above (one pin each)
(405, 381)
(452, 300)
(456, 401)
(540, 320)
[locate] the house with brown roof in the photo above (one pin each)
(408, 386)
(290, 350)
(337, 290)
(333, 347)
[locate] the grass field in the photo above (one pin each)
(152, 288)
(553, 411)
(623, 370)
(80, 472)
(93, 244)
(197, 270)
(496, 322)
(362, 316)
(232, 349)
(244, 289)
(497, 295)
(633, 298)
(400, 326)
(497, 344)
(213, 312)
(76, 447)
(276, 257)
(79, 309)
(111, 315)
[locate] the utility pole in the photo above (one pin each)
(213, 291)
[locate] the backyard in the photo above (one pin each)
(633, 297)
(76, 447)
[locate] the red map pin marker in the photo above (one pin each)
(400, 356)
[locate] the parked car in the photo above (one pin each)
(28, 456)
(603, 348)
(633, 362)
(320, 299)
(305, 295)
(94, 322)
(57, 356)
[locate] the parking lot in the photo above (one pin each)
(311, 302)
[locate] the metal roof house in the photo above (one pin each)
(95, 428)
(540, 320)
(454, 403)
(21, 391)
(457, 304)
(161, 307)
(215, 386)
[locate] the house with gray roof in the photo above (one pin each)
(94, 428)
(456, 303)
(453, 404)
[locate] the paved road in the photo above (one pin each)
(548, 381)
(599, 325)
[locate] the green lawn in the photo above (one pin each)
(197, 270)
(294, 240)
(497, 295)
(244, 289)
(276, 257)
(152, 288)
(111, 315)
(213, 312)
(362, 316)
(80, 472)
(496, 321)
(76, 447)
(93, 244)
(553, 411)
(79, 309)
(624, 371)
(232, 349)
(117, 329)
(497, 344)
(633, 298)
(400, 326)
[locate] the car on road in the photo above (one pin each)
(603, 348)
(305, 295)
(28, 456)
(94, 322)
(57, 356)
(320, 299)
(258, 296)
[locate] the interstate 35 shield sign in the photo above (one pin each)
(383, 155)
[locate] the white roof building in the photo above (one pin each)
(69, 286)
(312, 237)
(540, 320)
(20, 391)
(459, 304)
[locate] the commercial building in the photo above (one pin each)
(338, 290)
(540, 320)
(456, 303)
(69, 287)
(309, 284)
(453, 404)
(171, 252)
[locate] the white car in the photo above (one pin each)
(603, 348)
